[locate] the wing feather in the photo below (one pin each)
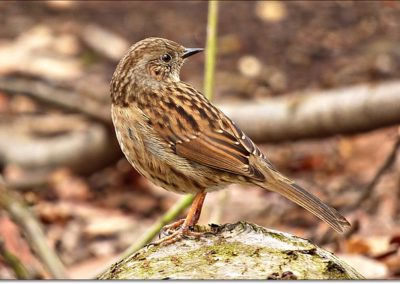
(199, 132)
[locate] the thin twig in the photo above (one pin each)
(33, 232)
(390, 159)
(209, 76)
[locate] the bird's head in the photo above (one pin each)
(150, 61)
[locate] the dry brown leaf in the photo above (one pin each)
(105, 226)
(90, 268)
(373, 245)
(357, 245)
(53, 213)
(4, 102)
(105, 41)
(143, 204)
(379, 245)
(68, 186)
(393, 263)
(14, 243)
(369, 268)
(101, 248)
(37, 52)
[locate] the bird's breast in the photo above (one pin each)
(153, 157)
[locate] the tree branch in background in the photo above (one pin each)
(73, 142)
(33, 232)
(298, 116)
(68, 100)
(308, 114)
(319, 113)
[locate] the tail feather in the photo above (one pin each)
(308, 201)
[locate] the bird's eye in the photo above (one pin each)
(166, 58)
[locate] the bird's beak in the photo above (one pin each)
(190, 51)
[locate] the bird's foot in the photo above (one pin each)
(171, 228)
(181, 233)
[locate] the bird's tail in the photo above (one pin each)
(284, 186)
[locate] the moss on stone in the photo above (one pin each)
(233, 251)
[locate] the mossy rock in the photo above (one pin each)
(233, 251)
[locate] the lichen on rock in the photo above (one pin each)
(233, 251)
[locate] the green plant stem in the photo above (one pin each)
(211, 49)
(169, 216)
(33, 232)
(20, 271)
(209, 75)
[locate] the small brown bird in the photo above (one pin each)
(178, 139)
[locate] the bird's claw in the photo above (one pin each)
(180, 233)
(171, 228)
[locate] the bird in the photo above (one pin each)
(176, 138)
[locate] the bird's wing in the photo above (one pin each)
(201, 133)
(219, 151)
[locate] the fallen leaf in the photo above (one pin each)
(14, 243)
(369, 268)
(68, 186)
(105, 226)
(357, 245)
(33, 53)
(105, 41)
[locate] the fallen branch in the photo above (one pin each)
(33, 232)
(319, 114)
(298, 116)
(83, 146)
(68, 100)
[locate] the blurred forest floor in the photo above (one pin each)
(91, 216)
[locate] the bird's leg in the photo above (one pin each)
(190, 220)
(192, 217)
(195, 210)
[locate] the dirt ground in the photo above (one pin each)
(89, 219)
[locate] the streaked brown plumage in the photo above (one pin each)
(180, 141)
